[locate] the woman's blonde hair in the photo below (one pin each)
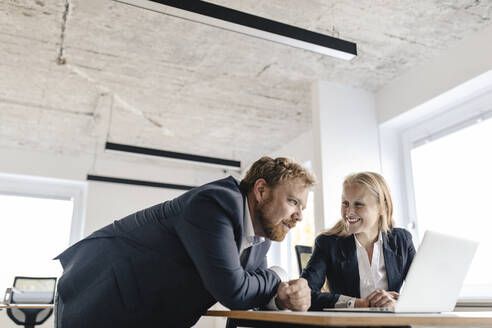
(376, 184)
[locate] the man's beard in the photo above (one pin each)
(275, 232)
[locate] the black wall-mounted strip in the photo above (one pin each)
(171, 154)
(260, 23)
(138, 182)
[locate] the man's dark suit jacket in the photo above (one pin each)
(335, 258)
(166, 265)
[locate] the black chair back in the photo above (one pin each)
(32, 290)
(303, 254)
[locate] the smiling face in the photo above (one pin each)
(279, 208)
(360, 210)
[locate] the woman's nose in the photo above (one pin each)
(350, 211)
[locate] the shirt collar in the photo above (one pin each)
(249, 238)
(378, 242)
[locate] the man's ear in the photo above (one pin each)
(260, 190)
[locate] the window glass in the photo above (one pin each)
(452, 181)
(303, 233)
(32, 232)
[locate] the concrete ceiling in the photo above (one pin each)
(75, 73)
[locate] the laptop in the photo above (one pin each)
(434, 280)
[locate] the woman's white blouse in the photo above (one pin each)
(372, 275)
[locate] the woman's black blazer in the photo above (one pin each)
(335, 258)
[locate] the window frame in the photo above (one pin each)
(433, 128)
(42, 187)
(447, 113)
(396, 135)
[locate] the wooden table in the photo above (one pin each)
(287, 319)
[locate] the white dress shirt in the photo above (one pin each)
(250, 239)
(372, 274)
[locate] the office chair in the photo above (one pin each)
(31, 290)
(303, 254)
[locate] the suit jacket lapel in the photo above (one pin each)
(245, 257)
(349, 265)
(251, 255)
(239, 233)
(392, 262)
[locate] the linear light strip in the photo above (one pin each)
(138, 182)
(171, 154)
(241, 22)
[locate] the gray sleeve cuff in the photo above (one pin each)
(280, 272)
(271, 305)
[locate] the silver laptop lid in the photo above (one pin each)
(436, 275)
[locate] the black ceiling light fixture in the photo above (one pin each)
(248, 24)
(225, 163)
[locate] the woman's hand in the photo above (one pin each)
(361, 303)
(382, 298)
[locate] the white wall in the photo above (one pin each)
(109, 201)
(464, 61)
(345, 137)
(460, 74)
(452, 106)
(300, 149)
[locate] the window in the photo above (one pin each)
(37, 229)
(39, 218)
(452, 178)
(434, 156)
(302, 234)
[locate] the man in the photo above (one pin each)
(167, 264)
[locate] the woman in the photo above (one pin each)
(364, 258)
